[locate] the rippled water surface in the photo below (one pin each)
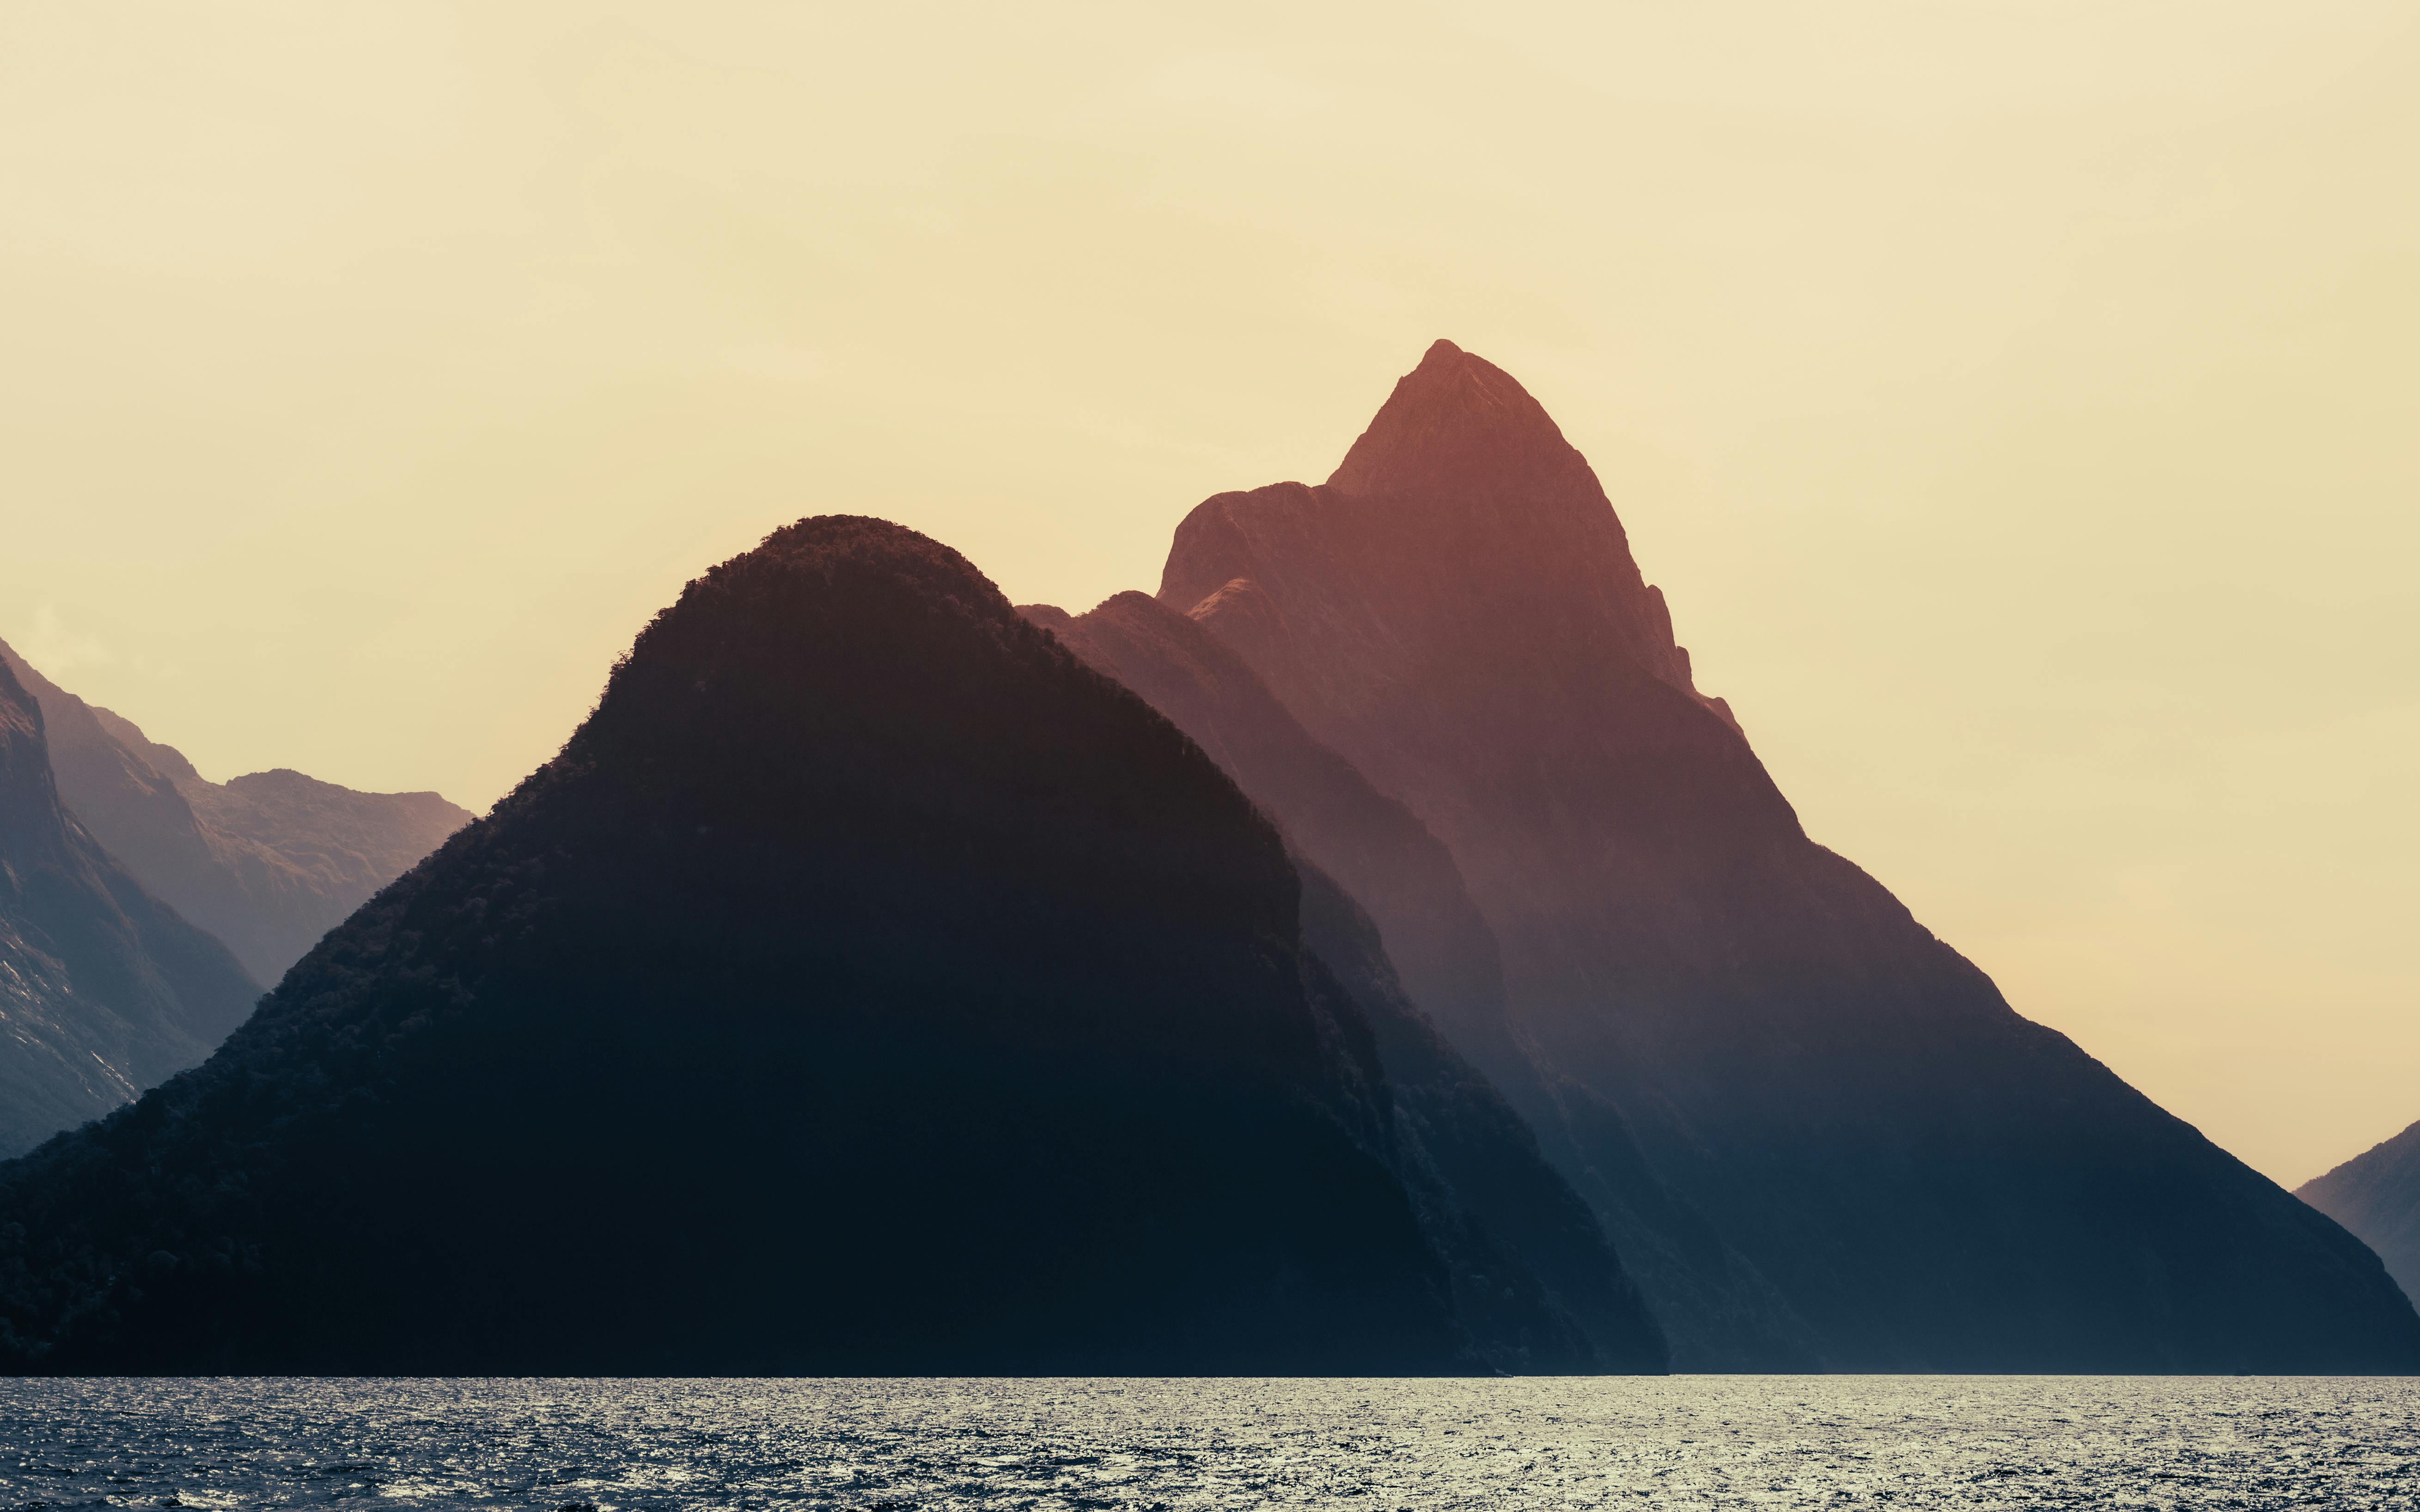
(1689, 1441)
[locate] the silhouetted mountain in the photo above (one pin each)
(104, 990)
(1930, 1180)
(2376, 1195)
(267, 862)
(1719, 1313)
(867, 986)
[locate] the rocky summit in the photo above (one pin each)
(1817, 1133)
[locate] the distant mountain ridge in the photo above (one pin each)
(2376, 1195)
(1923, 1179)
(868, 986)
(267, 862)
(104, 990)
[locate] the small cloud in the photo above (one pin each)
(777, 361)
(52, 648)
(1239, 84)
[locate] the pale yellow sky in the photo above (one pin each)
(2017, 400)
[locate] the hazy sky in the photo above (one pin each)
(2019, 402)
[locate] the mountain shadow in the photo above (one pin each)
(867, 987)
(2376, 1195)
(104, 990)
(1437, 953)
(267, 862)
(1930, 1182)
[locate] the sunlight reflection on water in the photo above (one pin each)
(1686, 1442)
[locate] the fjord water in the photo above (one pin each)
(1705, 1442)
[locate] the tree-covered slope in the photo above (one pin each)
(867, 986)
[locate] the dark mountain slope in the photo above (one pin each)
(1518, 1239)
(1721, 1314)
(1931, 1182)
(104, 990)
(1369, 844)
(868, 986)
(267, 862)
(2376, 1196)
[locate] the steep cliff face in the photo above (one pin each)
(868, 986)
(2376, 1195)
(1929, 1180)
(104, 990)
(1442, 956)
(267, 862)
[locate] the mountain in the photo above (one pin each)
(1928, 1181)
(2376, 1196)
(267, 862)
(1719, 1313)
(867, 986)
(104, 990)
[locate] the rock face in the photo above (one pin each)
(1923, 1180)
(267, 862)
(104, 990)
(2376, 1196)
(869, 986)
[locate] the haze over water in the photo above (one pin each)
(1680, 1441)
